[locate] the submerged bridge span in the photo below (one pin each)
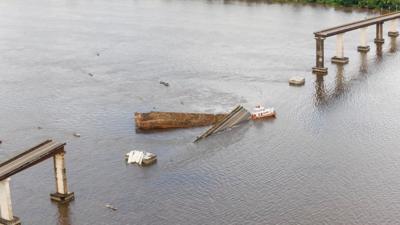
(339, 31)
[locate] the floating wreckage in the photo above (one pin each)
(169, 120)
(297, 81)
(220, 122)
(111, 207)
(164, 83)
(140, 158)
(261, 112)
(235, 117)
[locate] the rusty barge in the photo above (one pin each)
(171, 120)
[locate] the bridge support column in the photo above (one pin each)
(62, 195)
(393, 29)
(319, 68)
(339, 58)
(379, 34)
(363, 47)
(7, 217)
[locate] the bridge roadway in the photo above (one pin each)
(236, 116)
(30, 158)
(356, 25)
(339, 31)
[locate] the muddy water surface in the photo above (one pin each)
(330, 157)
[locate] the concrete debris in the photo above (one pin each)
(169, 120)
(297, 81)
(164, 83)
(77, 134)
(111, 207)
(236, 116)
(140, 157)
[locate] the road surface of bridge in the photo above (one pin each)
(339, 31)
(24, 160)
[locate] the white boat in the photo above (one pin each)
(260, 112)
(141, 157)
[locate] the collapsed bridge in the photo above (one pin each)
(26, 159)
(339, 31)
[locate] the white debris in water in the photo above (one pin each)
(110, 207)
(77, 134)
(139, 157)
(135, 157)
(297, 80)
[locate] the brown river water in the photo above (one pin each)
(330, 157)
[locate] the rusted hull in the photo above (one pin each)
(171, 120)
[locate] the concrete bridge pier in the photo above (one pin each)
(379, 34)
(339, 58)
(393, 29)
(61, 195)
(7, 217)
(363, 47)
(319, 68)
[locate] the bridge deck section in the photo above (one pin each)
(356, 25)
(30, 158)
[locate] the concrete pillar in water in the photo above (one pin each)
(379, 34)
(363, 47)
(62, 195)
(339, 58)
(319, 68)
(7, 217)
(393, 29)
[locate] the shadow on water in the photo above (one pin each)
(63, 214)
(379, 52)
(155, 131)
(393, 45)
(325, 96)
(363, 63)
(339, 82)
(320, 91)
(379, 49)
